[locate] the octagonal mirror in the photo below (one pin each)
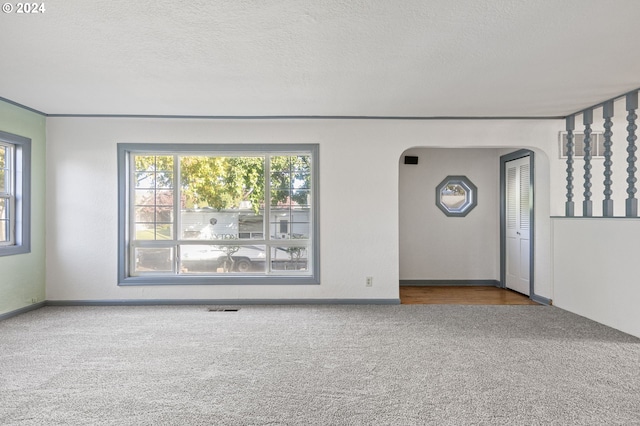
(456, 196)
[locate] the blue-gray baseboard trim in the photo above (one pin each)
(541, 300)
(175, 302)
(155, 302)
(454, 283)
(26, 309)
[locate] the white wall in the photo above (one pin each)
(434, 246)
(596, 270)
(359, 197)
(594, 274)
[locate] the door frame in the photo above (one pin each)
(522, 153)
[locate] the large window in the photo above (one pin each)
(218, 214)
(15, 160)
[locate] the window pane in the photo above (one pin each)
(300, 230)
(286, 181)
(149, 215)
(164, 214)
(4, 231)
(153, 209)
(164, 180)
(144, 197)
(4, 165)
(222, 197)
(154, 180)
(154, 259)
(296, 230)
(289, 258)
(251, 226)
(290, 185)
(209, 224)
(5, 222)
(164, 163)
(144, 162)
(144, 231)
(222, 183)
(280, 180)
(300, 198)
(196, 224)
(302, 181)
(164, 197)
(221, 259)
(301, 164)
(295, 163)
(144, 214)
(153, 163)
(145, 180)
(164, 232)
(150, 231)
(281, 198)
(280, 163)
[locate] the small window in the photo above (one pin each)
(15, 157)
(456, 196)
(212, 214)
(597, 145)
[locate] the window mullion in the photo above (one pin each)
(290, 213)
(7, 224)
(131, 214)
(177, 218)
(8, 193)
(12, 219)
(267, 213)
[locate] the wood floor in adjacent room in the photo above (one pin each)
(448, 295)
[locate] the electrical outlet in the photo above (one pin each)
(369, 281)
(34, 300)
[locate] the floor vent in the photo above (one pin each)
(223, 309)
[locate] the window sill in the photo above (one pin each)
(210, 280)
(13, 250)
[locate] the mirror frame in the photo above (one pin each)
(471, 198)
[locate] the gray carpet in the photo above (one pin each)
(316, 365)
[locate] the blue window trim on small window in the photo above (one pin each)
(471, 196)
(126, 151)
(21, 191)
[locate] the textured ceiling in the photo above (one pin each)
(421, 58)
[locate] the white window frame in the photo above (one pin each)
(126, 244)
(7, 195)
(17, 193)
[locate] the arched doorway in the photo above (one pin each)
(437, 249)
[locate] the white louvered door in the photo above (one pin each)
(518, 205)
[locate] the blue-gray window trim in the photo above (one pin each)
(23, 194)
(124, 149)
(471, 198)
